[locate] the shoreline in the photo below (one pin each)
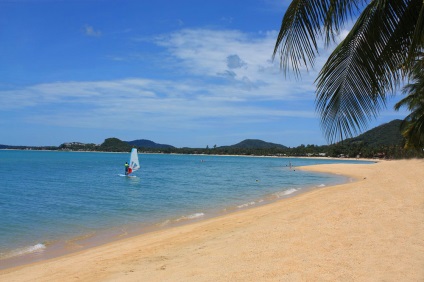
(44, 251)
(215, 155)
(370, 228)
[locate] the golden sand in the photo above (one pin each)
(371, 229)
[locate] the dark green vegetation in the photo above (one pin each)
(387, 134)
(115, 145)
(143, 143)
(381, 51)
(413, 125)
(255, 143)
(384, 141)
(78, 146)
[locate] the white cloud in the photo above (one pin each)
(230, 78)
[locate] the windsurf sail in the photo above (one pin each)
(134, 163)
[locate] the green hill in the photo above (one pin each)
(115, 145)
(256, 144)
(147, 144)
(387, 134)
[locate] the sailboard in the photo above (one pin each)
(134, 164)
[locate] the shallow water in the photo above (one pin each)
(63, 199)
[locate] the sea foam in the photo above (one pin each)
(286, 192)
(25, 250)
(191, 216)
(246, 205)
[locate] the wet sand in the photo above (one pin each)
(371, 229)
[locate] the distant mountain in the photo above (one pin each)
(115, 145)
(387, 134)
(147, 144)
(2, 147)
(384, 135)
(256, 144)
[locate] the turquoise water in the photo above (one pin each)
(53, 198)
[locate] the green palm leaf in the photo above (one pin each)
(413, 125)
(352, 86)
(368, 65)
(303, 23)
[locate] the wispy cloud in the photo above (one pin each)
(90, 31)
(229, 77)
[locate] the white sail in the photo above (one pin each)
(134, 163)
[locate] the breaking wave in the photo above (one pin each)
(182, 218)
(246, 205)
(24, 251)
(286, 192)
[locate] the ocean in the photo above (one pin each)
(52, 203)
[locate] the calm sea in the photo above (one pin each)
(57, 202)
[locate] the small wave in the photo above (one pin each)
(77, 242)
(24, 251)
(191, 216)
(195, 215)
(164, 223)
(246, 205)
(286, 192)
(82, 237)
(321, 185)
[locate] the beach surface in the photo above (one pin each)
(371, 229)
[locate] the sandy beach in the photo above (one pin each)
(371, 229)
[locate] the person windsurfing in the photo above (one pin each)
(126, 168)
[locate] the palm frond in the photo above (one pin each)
(337, 15)
(413, 125)
(413, 130)
(352, 86)
(297, 39)
(402, 23)
(365, 68)
(303, 23)
(417, 42)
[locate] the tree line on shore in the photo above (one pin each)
(384, 141)
(339, 150)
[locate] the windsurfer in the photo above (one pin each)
(126, 168)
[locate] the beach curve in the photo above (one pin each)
(369, 229)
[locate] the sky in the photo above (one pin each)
(187, 73)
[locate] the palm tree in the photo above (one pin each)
(413, 125)
(366, 67)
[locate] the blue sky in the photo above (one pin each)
(188, 73)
